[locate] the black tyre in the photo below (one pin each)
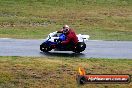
(79, 47)
(45, 48)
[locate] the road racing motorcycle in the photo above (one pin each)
(53, 41)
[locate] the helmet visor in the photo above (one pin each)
(65, 30)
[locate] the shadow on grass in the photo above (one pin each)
(62, 54)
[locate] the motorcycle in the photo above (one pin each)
(53, 42)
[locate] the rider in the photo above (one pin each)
(71, 37)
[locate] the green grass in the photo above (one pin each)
(58, 72)
(101, 19)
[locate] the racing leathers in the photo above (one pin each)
(71, 38)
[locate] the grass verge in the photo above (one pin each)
(101, 19)
(58, 72)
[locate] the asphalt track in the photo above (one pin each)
(95, 49)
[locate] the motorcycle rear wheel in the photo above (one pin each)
(79, 47)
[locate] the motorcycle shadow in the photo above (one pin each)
(62, 54)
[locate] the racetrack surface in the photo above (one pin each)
(95, 49)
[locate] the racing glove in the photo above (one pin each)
(59, 43)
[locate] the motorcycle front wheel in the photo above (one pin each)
(45, 48)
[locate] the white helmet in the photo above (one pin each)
(65, 28)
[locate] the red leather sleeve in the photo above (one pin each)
(66, 41)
